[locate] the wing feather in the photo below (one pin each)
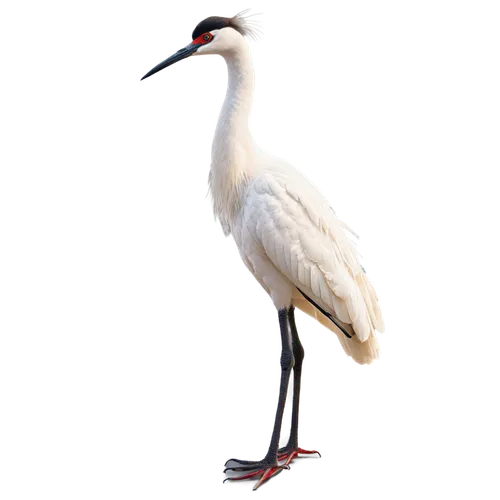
(307, 242)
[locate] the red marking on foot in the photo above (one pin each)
(308, 452)
(292, 455)
(245, 476)
(268, 474)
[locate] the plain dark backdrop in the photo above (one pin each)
(197, 345)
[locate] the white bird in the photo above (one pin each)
(287, 235)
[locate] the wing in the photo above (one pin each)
(305, 240)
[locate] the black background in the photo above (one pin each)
(199, 353)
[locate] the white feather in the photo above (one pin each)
(286, 232)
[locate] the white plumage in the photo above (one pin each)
(286, 232)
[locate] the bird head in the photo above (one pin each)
(214, 35)
(213, 40)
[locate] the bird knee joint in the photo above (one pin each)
(287, 361)
(298, 354)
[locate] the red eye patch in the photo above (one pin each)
(203, 39)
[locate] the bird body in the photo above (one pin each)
(292, 242)
(287, 234)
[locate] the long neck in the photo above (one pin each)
(232, 148)
(234, 115)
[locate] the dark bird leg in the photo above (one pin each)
(292, 450)
(268, 466)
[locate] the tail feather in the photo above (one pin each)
(361, 352)
(371, 301)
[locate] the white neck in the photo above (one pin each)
(239, 96)
(233, 148)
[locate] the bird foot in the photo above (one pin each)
(263, 469)
(288, 454)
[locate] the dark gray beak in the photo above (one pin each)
(178, 56)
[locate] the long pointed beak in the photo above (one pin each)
(178, 56)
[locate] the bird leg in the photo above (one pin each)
(292, 450)
(269, 466)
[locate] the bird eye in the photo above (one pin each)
(207, 37)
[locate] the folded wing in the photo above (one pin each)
(305, 240)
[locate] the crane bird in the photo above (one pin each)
(287, 235)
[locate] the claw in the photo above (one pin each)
(268, 474)
(291, 454)
(307, 452)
